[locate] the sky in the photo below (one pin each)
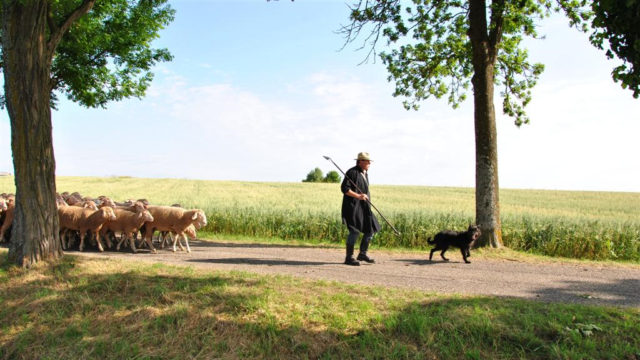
(260, 91)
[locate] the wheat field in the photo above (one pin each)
(575, 224)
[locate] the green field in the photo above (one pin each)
(583, 225)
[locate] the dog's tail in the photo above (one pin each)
(431, 242)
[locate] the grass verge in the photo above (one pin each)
(106, 309)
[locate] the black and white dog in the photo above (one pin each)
(463, 240)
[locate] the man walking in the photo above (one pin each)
(356, 210)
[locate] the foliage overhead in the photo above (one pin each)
(107, 54)
(431, 52)
(618, 21)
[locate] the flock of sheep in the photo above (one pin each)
(102, 220)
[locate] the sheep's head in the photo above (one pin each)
(145, 215)
(191, 232)
(3, 204)
(109, 213)
(138, 207)
(108, 202)
(90, 205)
(60, 203)
(200, 217)
(144, 201)
(72, 200)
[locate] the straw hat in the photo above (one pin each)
(364, 156)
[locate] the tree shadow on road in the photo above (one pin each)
(268, 262)
(622, 292)
(422, 262)
(223, 244)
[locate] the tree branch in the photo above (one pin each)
(58, 32)
(53, 27)
(497, 22)
(352, 31)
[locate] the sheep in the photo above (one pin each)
(106, 201)
(72, 200)
(83, 220)
(176, 220)
(8, 207)
(127, 202)
(87, 204)
(61, 203)
(3, 204)
(127, 222)
(162, 237)
(166, 235)
(135, 207)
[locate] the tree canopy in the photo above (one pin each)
(107, 54)
(431, 50)
(93, 52)
(316, 175)
(618, 23)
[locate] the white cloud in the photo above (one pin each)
(581, 135)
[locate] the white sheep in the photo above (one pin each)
(165, 236)
(8, 207)
(87, 204)
(127, 223)
(83, 220)
(173, 219)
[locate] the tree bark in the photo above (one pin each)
(27, 67)
(487, 189)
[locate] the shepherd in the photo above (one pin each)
(356, 210)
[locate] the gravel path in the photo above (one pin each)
(571, 283)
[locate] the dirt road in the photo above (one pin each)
(571, 283)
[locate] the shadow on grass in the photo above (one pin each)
(158, 311)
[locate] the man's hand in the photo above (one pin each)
(357, 196)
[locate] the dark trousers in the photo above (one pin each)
(364, 244)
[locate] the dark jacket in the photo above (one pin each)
(357, 214)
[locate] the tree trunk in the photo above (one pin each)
(27, 66)
(487, 189)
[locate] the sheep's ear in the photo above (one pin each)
(195, 216)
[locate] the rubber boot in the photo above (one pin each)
(362, 256)
(349, 260)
